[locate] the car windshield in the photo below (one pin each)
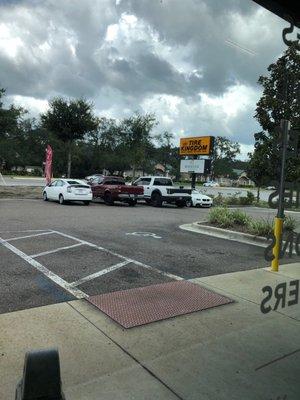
(163, 262)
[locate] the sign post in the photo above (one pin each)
(194, 147)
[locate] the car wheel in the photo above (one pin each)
(61, 199)
(180, 204)
(86, 203)
(198, 205)
(156, 200)
(108, 199)
(189, 203)
(45, 198)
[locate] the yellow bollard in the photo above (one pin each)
(278, 224)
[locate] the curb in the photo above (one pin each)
(225, 234)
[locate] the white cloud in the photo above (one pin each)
(33, 105)
(10, 44)
(166, 57)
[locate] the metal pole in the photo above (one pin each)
(193, 183)
(278, 223)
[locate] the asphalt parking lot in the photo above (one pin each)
(51, 253)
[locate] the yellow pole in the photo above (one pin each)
(278, 224)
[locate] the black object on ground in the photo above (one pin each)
(41, 376)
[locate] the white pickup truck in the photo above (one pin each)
(159, 189)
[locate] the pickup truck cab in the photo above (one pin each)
(159, 189)
(114, 188)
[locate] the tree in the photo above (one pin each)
(137, 139)
(224, 153)
(70, 121)
(164, 151)
(11, 134)
(280, 100)
(256, 170)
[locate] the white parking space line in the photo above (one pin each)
(130, 260)
(29, 236)
(72, 287)
(99, 273)
(26, 230)
(55, 278)
(44, 253)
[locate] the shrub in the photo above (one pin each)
(232, 200)
(240, 218)
(260, 227)
(221, 217)
(248, 200)
(289, 223)
(219, 199)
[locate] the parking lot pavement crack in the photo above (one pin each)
(129, 354)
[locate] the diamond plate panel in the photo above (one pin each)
(141, 306)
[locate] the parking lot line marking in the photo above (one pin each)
(26, 230)
(44, 253)
(38, 266)
(29, 236)
(130, 260)
(99, 273)
(167, 274)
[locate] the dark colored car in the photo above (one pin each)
(114, 188)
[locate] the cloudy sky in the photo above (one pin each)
(194, 63)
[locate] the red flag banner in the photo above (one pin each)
(48, 164)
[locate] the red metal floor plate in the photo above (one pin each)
(147, 304)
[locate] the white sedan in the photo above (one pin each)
(211, 184)
(199, 200)
(64, 190)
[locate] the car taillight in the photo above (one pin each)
(69, 189)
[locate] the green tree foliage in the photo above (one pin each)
(11, 133)
(224, 154)
(165, 149)
(69, 121)
(280, 100)
(136, 132)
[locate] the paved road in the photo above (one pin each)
(102, 249)
(9, 181)
(232, 191)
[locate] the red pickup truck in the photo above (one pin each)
(114, 188)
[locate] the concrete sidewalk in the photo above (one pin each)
(229, 352)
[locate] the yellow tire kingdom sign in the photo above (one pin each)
(199, 145)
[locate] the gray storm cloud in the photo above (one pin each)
(194, 62)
